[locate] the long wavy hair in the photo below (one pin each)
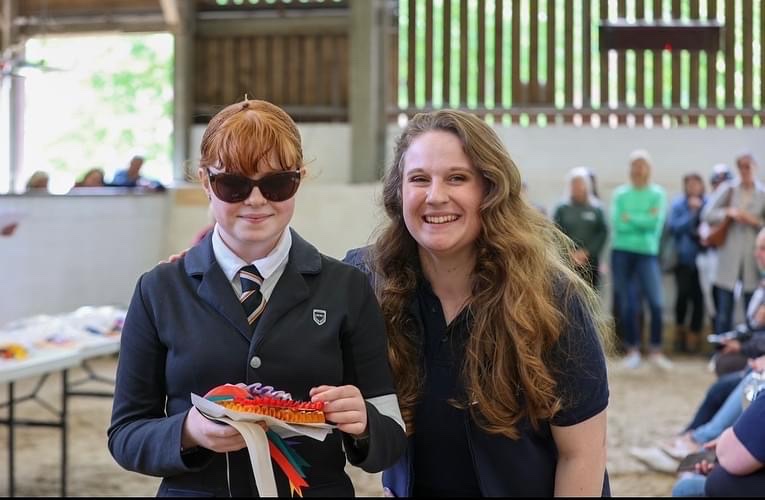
(522, 275)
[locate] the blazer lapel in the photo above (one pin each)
(216, 291)
(292, 288)
(214, 288)
(290, 291)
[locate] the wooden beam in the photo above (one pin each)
(247, 25)
(368, 51)
(6, 26)
(183, 87)
(15, 103)
(55, 8)
(90, 24)
(170, 11)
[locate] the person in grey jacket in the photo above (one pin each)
(743, 202)
(314, 329)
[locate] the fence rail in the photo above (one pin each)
(531, 62)
(537, 61)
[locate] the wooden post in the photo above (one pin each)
(183, 87)
(368, 50)
(15, 105)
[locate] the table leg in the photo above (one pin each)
(11, 417)
(64, 399)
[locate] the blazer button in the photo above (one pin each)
(255, 362)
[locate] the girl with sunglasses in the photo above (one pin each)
(298, 320)
(493, 338)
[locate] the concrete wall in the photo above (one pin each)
(70, 251)
(78, 250)
(544, 155)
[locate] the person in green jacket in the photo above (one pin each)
(638, 211)
(581, 218)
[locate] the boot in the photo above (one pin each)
(679, 342)
(693, 342)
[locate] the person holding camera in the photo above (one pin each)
(741, 205)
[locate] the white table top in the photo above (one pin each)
(39, 364)
(55, 359)
(59, 342)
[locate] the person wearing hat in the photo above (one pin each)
(720, 173)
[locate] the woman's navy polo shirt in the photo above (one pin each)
(451, 455)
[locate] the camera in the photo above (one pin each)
(741, 333)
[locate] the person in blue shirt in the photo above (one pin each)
(131, 176)
(739, 467)
(683, 222)
(740, 470)
(494, 339)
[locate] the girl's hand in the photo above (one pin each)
(199, 430)
(343, 406)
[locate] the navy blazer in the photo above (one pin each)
(186, 332)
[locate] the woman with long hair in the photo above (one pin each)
(494, 341)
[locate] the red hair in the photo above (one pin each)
(251, 136)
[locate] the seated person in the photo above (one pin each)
(740, 454)
(131, 176)
(735, 352)
(692, 440)
(38, 181)
(664, 456)
(92, 178)
(740, 469)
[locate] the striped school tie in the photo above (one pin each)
(252, 300)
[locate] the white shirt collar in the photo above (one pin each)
(231, 263)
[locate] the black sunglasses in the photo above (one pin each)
(234, 188)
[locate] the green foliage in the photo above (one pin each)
(115, 97)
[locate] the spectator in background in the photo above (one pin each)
(38, 181)
(752, 348)
(131, 176)
(740, 469)
(706, 261)
(743, 203)
(638, 211)
(581, 218)
(683, 223)
(92, 178)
